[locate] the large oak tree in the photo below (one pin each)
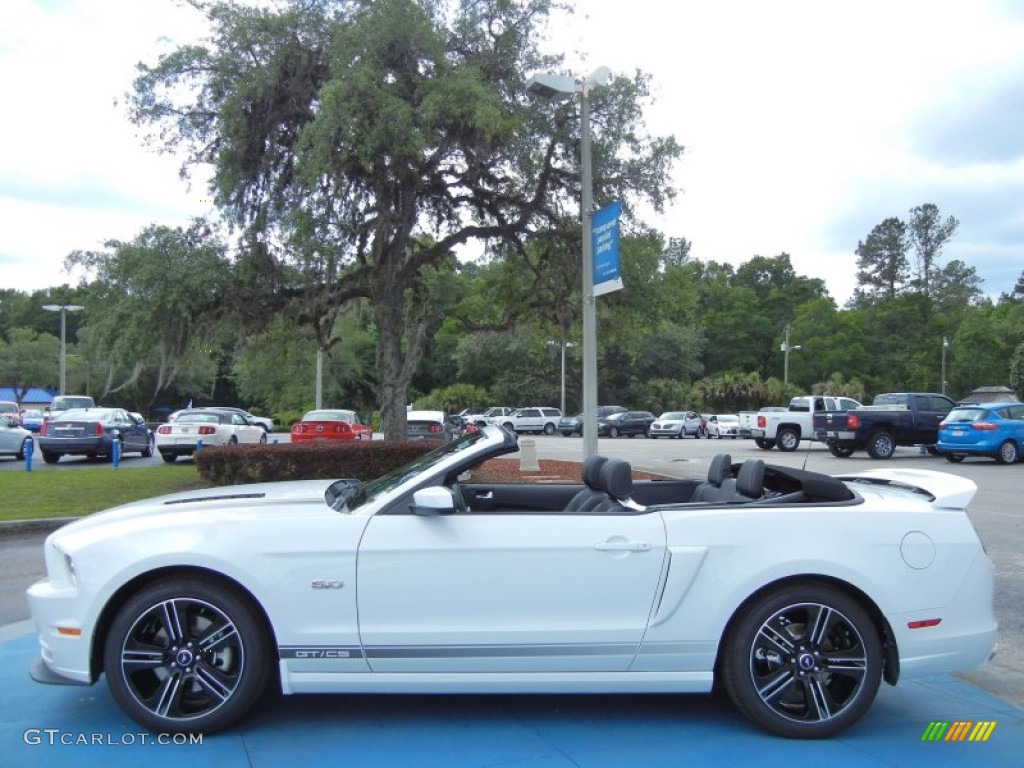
(356, 145)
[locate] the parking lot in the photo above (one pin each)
(559, 730)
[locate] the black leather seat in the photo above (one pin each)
(593, 494)
(750, 481)
(617, 484)
(720, 485)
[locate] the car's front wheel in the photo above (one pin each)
(613, 432)
(186, 656)
(840, 451)
(803, 661)
(788, 439)
(954, 458)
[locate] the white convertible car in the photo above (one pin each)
(797, 592)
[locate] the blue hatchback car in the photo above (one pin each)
(983, 429)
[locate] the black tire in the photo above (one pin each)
(764, 444)
(186, 656)
(263, 438)
(1008, 453)
(26, 446)
(147, 452)
(509, 426)
(954, 458)
(841, 451)
(787, 439)
(549, 429)
(567, 434)
(170, 458)
(803, 661)
(613, 431)
(881, 445)
(50, 457)
(233, 440)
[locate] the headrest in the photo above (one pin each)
(720, 469)
(750, 480)
(617, 478)
(592, 471)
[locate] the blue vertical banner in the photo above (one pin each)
(604, 239)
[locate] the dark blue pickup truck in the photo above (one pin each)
(893, 419)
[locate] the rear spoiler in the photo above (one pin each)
(944, 489)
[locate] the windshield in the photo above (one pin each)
(70, 401)
(354, 494)
(673, 416)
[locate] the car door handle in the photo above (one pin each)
(486, 495)
(623, 546)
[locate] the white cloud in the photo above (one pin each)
(805, 124)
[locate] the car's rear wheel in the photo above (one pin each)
(186, 656)
(764, 443)
(169, 457)
(954, 458)
(803, 661)
(50, 457)
(613, 432)
(549, 429)
(881, 445)
(1008, 453)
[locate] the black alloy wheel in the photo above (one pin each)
(186, 656)
(803, 661)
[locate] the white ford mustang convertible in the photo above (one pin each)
(798, 593)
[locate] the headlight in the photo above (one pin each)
(64, 564)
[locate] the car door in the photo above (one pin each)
(507, 592)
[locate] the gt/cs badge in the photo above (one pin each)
(327, 584)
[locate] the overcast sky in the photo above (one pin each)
(805, 123)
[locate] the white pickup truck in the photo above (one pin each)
(786, 428)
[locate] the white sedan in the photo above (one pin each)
(797, 592)
(724, 425)
(193, 429)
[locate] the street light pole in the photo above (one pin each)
(560, 87)
(63, 309)
(945, 346)
(785, 357)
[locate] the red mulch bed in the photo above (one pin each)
(551, 471)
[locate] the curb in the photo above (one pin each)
(32, 526)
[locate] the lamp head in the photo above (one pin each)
(551, 87)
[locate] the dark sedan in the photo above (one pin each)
(92, 432)
(626, 423)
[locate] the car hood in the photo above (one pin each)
(237, 501)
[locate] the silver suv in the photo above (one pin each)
(534, 419)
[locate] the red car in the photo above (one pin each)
(331, 424)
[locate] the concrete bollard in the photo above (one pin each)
(528, 456)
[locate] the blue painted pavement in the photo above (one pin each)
(75, 726)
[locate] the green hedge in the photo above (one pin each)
(238, 464)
